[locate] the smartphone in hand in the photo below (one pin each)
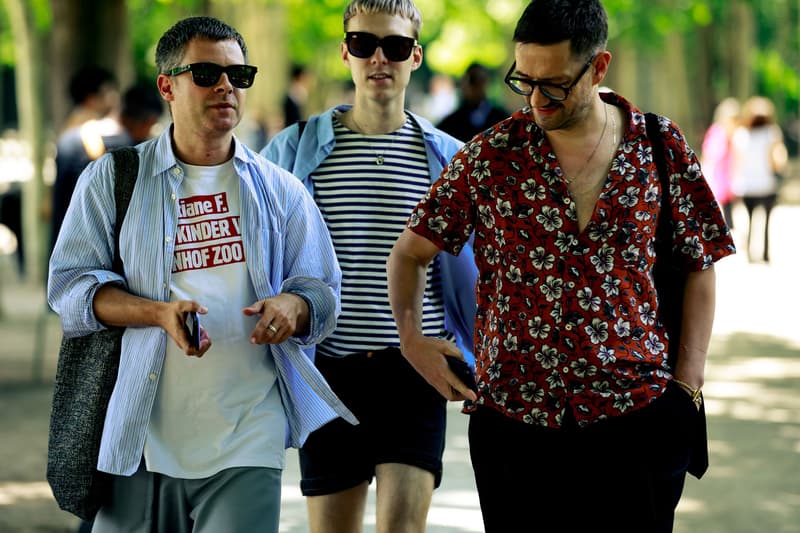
(193, 325)
(464, 372)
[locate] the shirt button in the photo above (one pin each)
(172, 196)
(566, 200)
(566, 370)
(176, 171)
(152, 376)
(167, 238)
(568, 327)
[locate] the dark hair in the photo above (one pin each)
(172, 45)
(297, 70)
(477, 73)
(142, 101)
(89, 80)
(758, 111)
(584, 23)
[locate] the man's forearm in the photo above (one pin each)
(114, 306)
(406, 269)
(406, 292)
(698, 319)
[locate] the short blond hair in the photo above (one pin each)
(403, 8)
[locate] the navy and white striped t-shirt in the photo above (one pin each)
(366, 205)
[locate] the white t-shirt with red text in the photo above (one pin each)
(222, 410)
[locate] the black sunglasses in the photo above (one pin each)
(557, 93)
(395, 47)
(208, 74)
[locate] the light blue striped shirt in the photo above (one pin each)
(288, 249)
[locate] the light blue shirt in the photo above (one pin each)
(288, 249)
(459, 273)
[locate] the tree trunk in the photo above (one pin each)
(263, 26)
(87, 32)
(742, 31)
(673, 88)
(29, 82)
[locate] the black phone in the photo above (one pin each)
(464, 372)
(193, 325)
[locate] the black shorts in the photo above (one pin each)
(402, 420)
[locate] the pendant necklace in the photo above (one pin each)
(379, 159)
(569, 180)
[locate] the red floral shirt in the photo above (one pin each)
(567, 319)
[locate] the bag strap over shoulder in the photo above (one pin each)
(664, 229)
(669, 278)
(126, 170)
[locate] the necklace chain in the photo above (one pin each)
(594, 150)
(379, 158)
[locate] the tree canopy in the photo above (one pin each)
(677, 57)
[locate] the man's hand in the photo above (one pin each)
(281, 317)
(173, 321)
(427, 356)
(114, 306)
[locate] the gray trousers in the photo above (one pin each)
(235, 500)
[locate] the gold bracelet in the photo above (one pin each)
(696, 394)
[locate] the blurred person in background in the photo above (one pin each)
(439, 100)
(717, 155)
(94, 92)
(142, 108)
(367, 165)
(294, 102)
(475, 112)
(759, 158)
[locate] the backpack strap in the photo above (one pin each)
(126, 170)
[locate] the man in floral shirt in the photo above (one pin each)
(579, 420)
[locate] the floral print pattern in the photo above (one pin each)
(569, 318)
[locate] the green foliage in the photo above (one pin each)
(777, 76)
(6, 40)
(457, 32)
(453, 34)
(41, 17)
(647, 23)
(157, 17)
(314, 32)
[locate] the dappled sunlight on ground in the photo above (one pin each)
(12, 493)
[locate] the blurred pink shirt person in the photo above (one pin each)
(717, 155)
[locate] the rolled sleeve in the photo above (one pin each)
(323, 307)
(75, 306)
(84, 252)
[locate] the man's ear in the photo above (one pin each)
(164, 83)
(601, 64)
(344, 53)
(416, 55)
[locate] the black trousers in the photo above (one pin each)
(625, 474)
(767, 203)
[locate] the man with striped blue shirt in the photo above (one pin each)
(195, 434)
(367, 166)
